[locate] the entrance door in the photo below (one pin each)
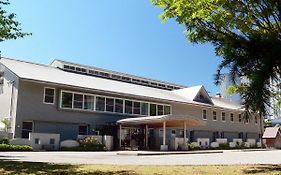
(133, 139)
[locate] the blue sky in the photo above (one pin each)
(125, 36)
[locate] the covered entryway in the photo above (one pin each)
(163, 122)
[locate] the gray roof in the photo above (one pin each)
(50, 74)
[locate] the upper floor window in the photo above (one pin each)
(119, 105)
(204, 114)
(144, 108)
(160, 109)
(214, 115)
(239, 118)
(100, 103)
(78, 101)
(153, 110)
(128, 107)
(231, 117)
(256, 120)
(49, 95)
(89, 102)
(167, 110)
(223, 116)
(137, 109)
(66, 99)
(109, 104)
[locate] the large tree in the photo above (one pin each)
(9, 27)
(245, 33)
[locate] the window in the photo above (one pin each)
(119, 105)
(222, 134)
(100, 103)
(37, 141)
(26, 129)
(246, 119)
(231, 117)
(160, 109)
(223, 116)
(137, 109)
(128, 107)
(214, 115)
(109, 105)
(83, 130)
(167, 110)
(78, 101)
(89, 102)
(239, 118)
(173, 132)
(66, 101)
(144, 108)
(49, 95)
(52, 141)
(152, 109)
(204, 114)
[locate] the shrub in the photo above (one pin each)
(192, 147)
(87, 144)
(224, 146)
(7, 147)
(4, 141)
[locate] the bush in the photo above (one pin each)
(7, 147)
(4, 141)
(87, 144)
(192, 147)
(224, 146)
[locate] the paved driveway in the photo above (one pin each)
(224, 158)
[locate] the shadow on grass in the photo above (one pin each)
(267, 169)
(25, 168)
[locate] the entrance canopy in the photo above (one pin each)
(157, 121)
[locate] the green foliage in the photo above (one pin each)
(87, 144)
(192, 147)
(245, 33)
(4, 141)
(7, 123)
(7, 147)
(9, 27)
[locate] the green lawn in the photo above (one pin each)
(24, 168)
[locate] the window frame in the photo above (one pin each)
(215, 119)
(222, 112)
(202, 114)
(231, 117)
(44, 96)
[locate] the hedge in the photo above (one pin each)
(97, 147)
(7, 147)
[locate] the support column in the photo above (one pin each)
(146, 136)
(120, 136)
(184, 136)
(164, 147)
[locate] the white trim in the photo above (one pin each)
(202, 116)
(44, 95)
(240, 115)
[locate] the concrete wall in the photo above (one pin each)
(44, 141)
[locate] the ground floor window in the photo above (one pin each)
(83, 130)
(26, 129)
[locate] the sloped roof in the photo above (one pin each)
(270, 132)
(50, 74)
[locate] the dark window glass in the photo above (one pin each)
(52, 141)
(37, 141)
(66, 100)
(78, 101)
(49, 95)
(100, 103)
(128, 107)
(160, 109)
(152, 109)
(231, 117)
(144, 108)
(83, 130)
(223, 116)
(204, 114)
(167, 110)
(119, 105)
(26, 129)
(109, 104)
(137, 109)
(89, 102)
(214, 115)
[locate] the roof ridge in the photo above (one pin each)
(28, 62)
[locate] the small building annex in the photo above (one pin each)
(72, 99)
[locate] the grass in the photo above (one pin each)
(28, 168)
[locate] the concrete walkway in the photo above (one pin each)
(114, 158)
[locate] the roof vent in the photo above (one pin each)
(218, 94)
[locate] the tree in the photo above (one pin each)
(7, 123)
(245, 33)
(9, 27)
